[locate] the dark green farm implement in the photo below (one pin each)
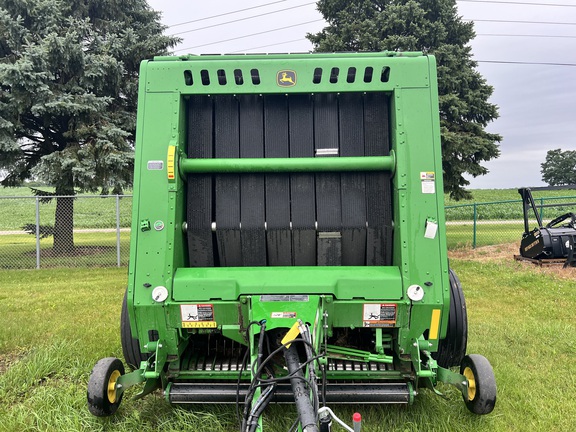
(288, 239)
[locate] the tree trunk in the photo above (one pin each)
(64, 226)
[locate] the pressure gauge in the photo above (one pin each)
(159, 294)
(415, 293)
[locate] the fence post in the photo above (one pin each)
(541, 208)
(118, 230)
(37, 233)
(474, 232)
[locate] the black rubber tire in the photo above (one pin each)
(452, 349)
(130, 345)
(484, 398)
(99, 403)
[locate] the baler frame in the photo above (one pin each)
(391, 297)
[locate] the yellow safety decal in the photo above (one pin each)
(171, 162)
(291, 334)
(435, 324)
(199, 324)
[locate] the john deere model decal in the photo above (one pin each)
(286, 78)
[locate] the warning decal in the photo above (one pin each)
(379, 315)
(427, 179)
(195, 313)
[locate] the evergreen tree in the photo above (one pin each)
(68, 80)
(559, 168)
(431, 26)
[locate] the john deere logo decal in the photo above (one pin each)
(286, 78)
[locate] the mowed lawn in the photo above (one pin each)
(55, 324)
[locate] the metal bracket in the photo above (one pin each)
(338, 352)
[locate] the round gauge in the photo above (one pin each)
(159, 294)
(415, 292)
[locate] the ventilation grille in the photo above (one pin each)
(334, 75)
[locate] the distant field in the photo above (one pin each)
(509, 205)
(90, 210)
(489, 195)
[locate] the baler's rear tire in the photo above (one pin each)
(481, 395)
(103, 399)
(130, 345)
(452, 349)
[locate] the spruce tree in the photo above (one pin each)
(68, 79)
(431, 26)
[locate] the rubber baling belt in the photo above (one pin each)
(252, 217)
(328, 199)
(278, 234)
(353, 185)
(227, 215)
(302, 189)
(199, 215)
(379, 206)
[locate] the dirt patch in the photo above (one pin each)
(7, 360)
(505, 253)
(496, 253)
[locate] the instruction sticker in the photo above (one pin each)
(428, 182)
(379, 315)
(200, 314)
(431, 229)
(283, 315)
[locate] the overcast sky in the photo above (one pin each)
(537, 102)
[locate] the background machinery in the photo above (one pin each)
(288, 239)
(555, 240)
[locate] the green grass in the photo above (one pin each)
(57, 323)
(93, 249)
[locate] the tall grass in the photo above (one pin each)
(57, 323)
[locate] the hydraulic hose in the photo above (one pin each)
(304, 406)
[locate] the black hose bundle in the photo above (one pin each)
(252, 412)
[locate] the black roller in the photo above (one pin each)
(340, 393)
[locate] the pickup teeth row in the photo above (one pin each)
(220, 363)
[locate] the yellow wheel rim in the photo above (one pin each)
(112, 386)
(471, 383)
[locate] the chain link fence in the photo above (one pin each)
(492, 223)
(63, 231)
(94, 230)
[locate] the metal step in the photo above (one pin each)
(341, 393)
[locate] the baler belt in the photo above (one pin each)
(353, 185)
(227, 145)
(278, 234)
(252, 217)
(379, 206)
(328, 199)
(302, 186)
(199, 215)
(289, 219)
